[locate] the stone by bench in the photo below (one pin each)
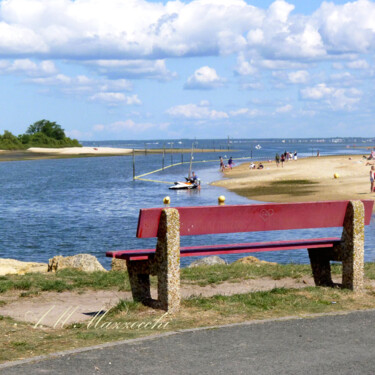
(168, 224)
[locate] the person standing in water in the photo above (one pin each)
(372, 178)
(230, 163)
(222, 166)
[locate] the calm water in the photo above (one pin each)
(90, 205)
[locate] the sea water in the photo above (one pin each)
(91, 205)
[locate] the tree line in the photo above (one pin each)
(42, 133)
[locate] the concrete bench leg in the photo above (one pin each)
(139, 277)
(352, 246)
(321, 267)
(350, 252)
(167, 260)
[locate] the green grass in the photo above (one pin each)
(237, 271)
(67, 279)
(289, 301)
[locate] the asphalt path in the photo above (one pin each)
(331, 344)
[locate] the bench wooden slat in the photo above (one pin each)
(251, 218)
(253, 247)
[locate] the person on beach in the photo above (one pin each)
(282, 159)
(230, 163)
(222, 166)
(277, 159)
(252, 166)
(295, 155)
(372, 178)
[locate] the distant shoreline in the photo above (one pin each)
(39, 153)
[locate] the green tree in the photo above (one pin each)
(50, 129)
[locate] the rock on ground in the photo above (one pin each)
(82, 262)
(12, 266)
(118, 264)
(208, 261)
(253, 260)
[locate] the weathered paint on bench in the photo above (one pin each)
(168, 224)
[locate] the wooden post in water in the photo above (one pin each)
(133, 164)
(171, 154)
(162, 164)
(182, 158)
(145, 149)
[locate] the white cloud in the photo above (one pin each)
(204, 78)
(245, 112)
(133, 69)
(27, 67)
(358, 64)
(139, 29)
(55, 80)
(336, 98)
(194, 111)
(116, 98)
(317, 92)
(284, 109)
(300, 76)
(244, 67)
(346, 28)
(341, 76)
(123, 127)
(240, 112)
(104, 90)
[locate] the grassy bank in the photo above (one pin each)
(20, 340)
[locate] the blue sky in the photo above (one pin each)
(135, 69)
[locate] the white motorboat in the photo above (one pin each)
(179, 185)
(191, 181)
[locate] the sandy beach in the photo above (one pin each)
(81, 150)
(308, 179)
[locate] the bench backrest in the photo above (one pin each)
(251, 218)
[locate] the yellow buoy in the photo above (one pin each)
(336, 175)
(221, 200)
(167, 200)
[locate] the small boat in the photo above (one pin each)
(191, 182)
(258, 147)
(179, 185)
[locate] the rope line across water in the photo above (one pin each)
(174, 165)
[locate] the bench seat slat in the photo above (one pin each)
(253, 247)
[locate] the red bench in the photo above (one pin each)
(168, 224)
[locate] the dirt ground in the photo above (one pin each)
(52, 308)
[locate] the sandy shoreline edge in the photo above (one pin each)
(307, 179)
(81, 150)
